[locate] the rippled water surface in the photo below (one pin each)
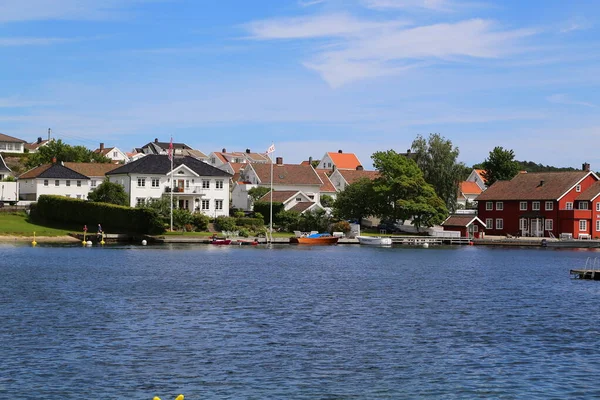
(340, 322)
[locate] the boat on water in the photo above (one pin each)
(220, 241)
(315, 238)
(375, 240)
(246, 242)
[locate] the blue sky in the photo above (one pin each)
(310, 75)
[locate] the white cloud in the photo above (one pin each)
(333, 25)
(25, 41)
(308, 3)
(560, 98)
(436, 5)
(575, 24)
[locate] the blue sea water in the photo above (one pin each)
(293, 322)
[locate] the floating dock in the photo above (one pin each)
(591, 270)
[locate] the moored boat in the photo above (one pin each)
(375, 240)
(316, 238)
(220, 241)
(246, 242)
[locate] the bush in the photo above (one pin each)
(341, 226)
(200, 221)
(181, 218)
(264, 207)
(226, 223)
(239, 214)
(258, 215)
(251, 222)
(243, 232)
(112, 217)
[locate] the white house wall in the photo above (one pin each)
(12, 147)
(325, 163)
(32, 189)
(240, 198)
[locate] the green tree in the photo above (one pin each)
(500, 166)
(400, 192)
(327, 200)
(57, 149)
(356, 201)
(257, 192)
(438, 160)
(181, 218)
(109, 192)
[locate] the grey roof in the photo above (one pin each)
(3, 166)
(161, 165)
(158, 147)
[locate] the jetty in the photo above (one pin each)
(591, 270)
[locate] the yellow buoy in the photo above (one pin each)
(180, 397)
(34, 242)
(102, 239)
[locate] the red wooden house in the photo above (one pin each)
(543, 204)
(468, 225)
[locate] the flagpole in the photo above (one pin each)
(171, 202)
(271, 206)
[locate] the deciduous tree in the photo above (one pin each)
(109, 192)
(500, 166)
(57, 149)
(356, 201)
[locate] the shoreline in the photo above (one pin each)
(38, 239)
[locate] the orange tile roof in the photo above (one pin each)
(352, 176)
(344, 160)
(287, 174)
(327, 186)
(91, 169)
(480, 173)
(34, 172)
(467, 187)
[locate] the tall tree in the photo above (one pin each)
(257, 192)
(356, 201)
(400, 192)
(500, 166)
(57, 149)
(437, 158)
(109, 192)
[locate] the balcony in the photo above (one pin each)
(196, 189)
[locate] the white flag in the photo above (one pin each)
(271, 149)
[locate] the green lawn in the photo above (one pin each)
(17, 225)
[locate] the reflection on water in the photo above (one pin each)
(295, 322)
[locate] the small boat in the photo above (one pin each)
(375, 240)
(315, 238)
(245, 242)
(217, 241)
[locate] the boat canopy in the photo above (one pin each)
(318, 235)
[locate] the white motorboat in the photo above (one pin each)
(375, 240)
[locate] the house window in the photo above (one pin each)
(219, 184)
(45, 182)
(205, 204)
(213, 160)
(187, 183)
(141, 182)
(523, 206)
(578, 188)
(499, 206)
(535, 205)
(57, 183)
(93, 183)
(499, 223)
(569, 205)
(68, 183)
(114, 154)
(140, 201)
(475, 228)
(218, 204)
(2, 146)
(598, 206)
(549, 224)
(583, 205)
(298, 199)
(79, 196)
(523, 224)
(67, 195)
(583, 225)
(598, 225)
(489, 206)
(205, 184)
(489, 223)
(78, 183)
(549, 206)
(155, 182)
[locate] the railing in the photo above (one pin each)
(197, 189)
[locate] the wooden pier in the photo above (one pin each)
(591, 270)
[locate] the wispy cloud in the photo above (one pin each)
(28, 41)
(367, 49)
(14, 102)
(308, 3)
(575, 24)
(561, 98)
(436, 5)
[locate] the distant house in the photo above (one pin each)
(9, 144)
(340, 178)
(221, 159)
(5, 172)
(95, 171)
(292, 200)
(543, 204)
(339, 160)
(469, 226)
(476, 176)
(327, 188)
(286, 177)
(195, 186)
(162, 148)
(34, 147)
(53, 179)
(467, 193)
(113, 153)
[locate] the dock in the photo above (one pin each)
(591, 270)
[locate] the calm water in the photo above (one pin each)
(342, 322)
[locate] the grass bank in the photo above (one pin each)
(16, 224)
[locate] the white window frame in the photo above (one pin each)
(46, 183)
(78, 183)
(499, 223)
(569, 205)
(141, 182)
(582, 225)
(219, 184)
(218, 204)
(549, 224)
(535, 205)
(205, 205)
(583, 205)
(155, 182)
(489, 223)
(522, 224)
(68, 182)
(598, 225)
(489, 205)
(205, 184)
(499, 206)
(578, 188)
(140, 201)
(57, 182)
(522, 206)
(93, 183)
(549, 206)
(598, 206)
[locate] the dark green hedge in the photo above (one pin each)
(115, 219)
(263, 207)
(246, 221)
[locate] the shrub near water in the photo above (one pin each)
(79, 212)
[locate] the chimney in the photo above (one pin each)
(49, 133)
(359, 168)
(585, 167)
(542, 182)
(339, 151)
(408, 151)
(224, 150)
(53, 160)
(310, 160)
(101, 146)
(247, 151)
(39, 140)
(155, 140)
(279, 160)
